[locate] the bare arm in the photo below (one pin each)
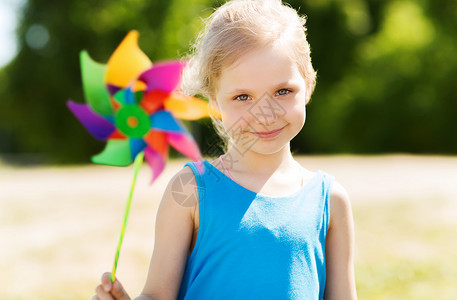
(173, 235)
(340, 248)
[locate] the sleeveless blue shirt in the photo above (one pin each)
(254, 246)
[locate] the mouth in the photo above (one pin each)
(268, 134)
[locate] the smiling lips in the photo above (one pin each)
(268, 134)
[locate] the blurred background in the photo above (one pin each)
(382, 118)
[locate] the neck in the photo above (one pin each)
(259, 163)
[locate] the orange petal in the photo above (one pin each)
(158, 141)
(139, 86)
(116, 105)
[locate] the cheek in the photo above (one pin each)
(227, 115)
(297, 110)
(225, 111)
(236, 119)
(232, 110)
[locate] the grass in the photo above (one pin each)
(59, 228)
(406, 250)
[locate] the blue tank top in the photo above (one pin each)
(254, 246)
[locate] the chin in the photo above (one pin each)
(266, 147)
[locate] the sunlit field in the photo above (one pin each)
(59, 226)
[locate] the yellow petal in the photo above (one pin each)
(127, 62)
(188, 108)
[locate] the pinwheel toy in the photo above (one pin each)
(134, 106)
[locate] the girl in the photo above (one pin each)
(259, 225)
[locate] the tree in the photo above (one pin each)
(386, 72)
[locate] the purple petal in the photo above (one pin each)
(98, 126)
(113, 89)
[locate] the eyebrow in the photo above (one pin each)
(238, 92)
(247, 91)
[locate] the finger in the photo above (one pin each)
(106, 282)
(101, 294)
(119, 292)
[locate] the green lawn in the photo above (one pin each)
(406, 250)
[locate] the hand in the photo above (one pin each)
(108, 290)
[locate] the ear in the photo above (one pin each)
(307, 97)
(308, 91)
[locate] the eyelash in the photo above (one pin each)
(237, 98)
(287, 90)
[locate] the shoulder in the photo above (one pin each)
(182, 188)
(340, 205)
(176, 211)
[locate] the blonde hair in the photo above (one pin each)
(235, 28)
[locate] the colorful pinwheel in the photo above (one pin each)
(132, 104)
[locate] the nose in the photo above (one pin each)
(266, 110)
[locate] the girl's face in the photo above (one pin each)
(262, 100)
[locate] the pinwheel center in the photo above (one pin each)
(132, 121)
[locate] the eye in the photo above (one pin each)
(242, 98)
(283, 92)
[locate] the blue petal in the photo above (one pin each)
(136, 146)
(164, 121)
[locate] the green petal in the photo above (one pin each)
(116, 153)
(95, 91)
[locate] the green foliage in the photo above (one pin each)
(391, 86)
(386, 72)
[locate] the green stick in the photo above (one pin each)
(137, 165)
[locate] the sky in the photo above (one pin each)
(9, 10)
